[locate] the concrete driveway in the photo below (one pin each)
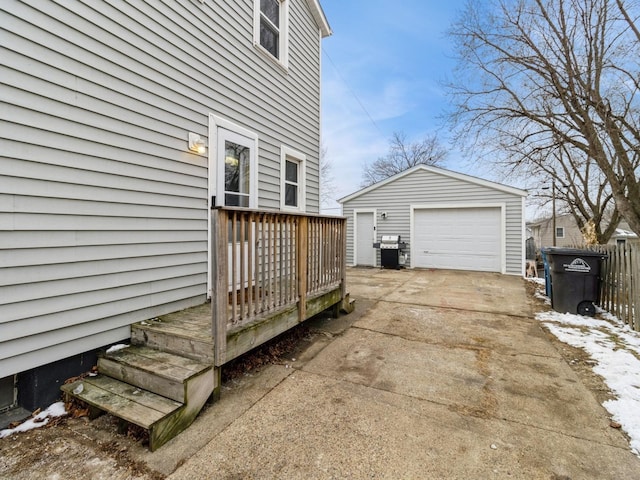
(438, 374)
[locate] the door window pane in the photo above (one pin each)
(236, 175)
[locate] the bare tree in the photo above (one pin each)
(545, 76)
(579, 187)
(327, 180)
(403, 155)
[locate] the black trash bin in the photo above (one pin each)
(575, 276)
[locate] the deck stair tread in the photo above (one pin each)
(195, 330)
(128, 402)
(163, 364)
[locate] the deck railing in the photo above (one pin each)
(267, 262)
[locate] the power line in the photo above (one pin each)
(351, 91)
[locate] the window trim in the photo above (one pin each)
(283, 34)
(561, 231)
(288, 153)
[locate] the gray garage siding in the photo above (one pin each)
(434, 186)
(103, 211)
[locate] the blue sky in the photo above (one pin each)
(382, 71)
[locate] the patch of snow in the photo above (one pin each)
(115, 348)
(40, 420)
(539, 293)
(624, 233)
(615, 351)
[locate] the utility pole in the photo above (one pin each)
(553, 203)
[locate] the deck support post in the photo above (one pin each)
(219, 300)
(303, 251)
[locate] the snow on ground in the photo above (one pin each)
(115, 348)
(40, 420)
(615, 349)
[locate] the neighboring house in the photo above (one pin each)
(449, 221)
(122, 124)
(568, 234)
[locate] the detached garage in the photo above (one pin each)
(448, 220)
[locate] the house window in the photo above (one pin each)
(291, 187)
(559, 232)
(270, 33)
(292, 180)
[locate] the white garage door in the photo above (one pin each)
(458, 238)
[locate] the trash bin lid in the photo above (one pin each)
(572, 251)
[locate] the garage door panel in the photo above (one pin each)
(458, 238)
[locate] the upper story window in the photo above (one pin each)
(560, 232)
(270, 31)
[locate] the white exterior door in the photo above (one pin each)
(233, 172)
(365, 236)
(464, 238)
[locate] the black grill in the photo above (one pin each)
(391, 251)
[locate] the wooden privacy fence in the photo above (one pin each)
(620, 281)
(267, 267)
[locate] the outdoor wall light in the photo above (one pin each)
(196, 143)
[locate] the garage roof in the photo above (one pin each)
(440, 171)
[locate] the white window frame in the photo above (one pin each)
(287, 153)
(559, 230)
(283, 34)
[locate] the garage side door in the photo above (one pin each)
(365, 236)
(458, 238)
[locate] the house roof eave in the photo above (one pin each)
(320, 18)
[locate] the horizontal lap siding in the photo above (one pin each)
(424, 188)
(103, 210)
(281, 107)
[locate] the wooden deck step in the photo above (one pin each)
(125, 401)
(348, 304)
(192, 339)
(155, 413)
(158, 391)
(159, 372)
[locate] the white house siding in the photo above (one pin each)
(422, 187)
(103, 210)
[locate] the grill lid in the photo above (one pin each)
(390, 239)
